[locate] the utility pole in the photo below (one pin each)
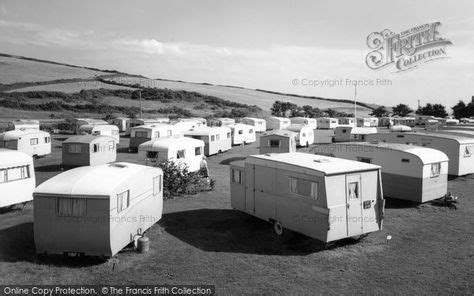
(140, 96)
(355, 102)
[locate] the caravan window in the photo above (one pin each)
(71, 207)
(364, 159)
(157, 134)
(405, 160)
(75, 148)
(241, 132)
(435, 169)
(198, 151)
(14, 174)
(250, 131)
(111, 145)
(218, 137)
(34, 141)
(213, 138)
(353, 189)
(237, 176)
(228, 135)
(181, 154)
(141, 134)
(96, 147)
(304, 187)
(123, 201)
(157, 185)
(114, 132)
(344, 131)
(47, 139)
(468, 151)
(274, 143)
(169, 133)
(152, 154)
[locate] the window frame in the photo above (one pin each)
(438, 172)
(294, 184)
(34, 141)
(127, 199)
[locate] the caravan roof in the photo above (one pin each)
(323, 164)
(90, 181)
(90, 127)
(459, 138)
(16, 134)
(86, 139)
(282, 133)
(425, 154)
(167, 143)
(8, 156)
(206, 130)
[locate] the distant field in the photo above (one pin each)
(13, 70)
(72, 87)
(242, 95)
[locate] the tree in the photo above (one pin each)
(461, 110)
(279, 108)
(379, 112)
(402, 110)
(437, 110)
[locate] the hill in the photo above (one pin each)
(35, 86)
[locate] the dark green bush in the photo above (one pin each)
(178, 181)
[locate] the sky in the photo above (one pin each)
(315, 48)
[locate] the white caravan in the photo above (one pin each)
(17, 177)
(35, 143)
(183, 151)
(216, 139)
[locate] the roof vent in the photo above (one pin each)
(268, 154)
(118, 165)
(321, 160)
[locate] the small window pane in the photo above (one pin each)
(34, 141)
(435, 169)
(180, 154)
(237, 176)
(197, 151)
(353, 190)
(274, 143)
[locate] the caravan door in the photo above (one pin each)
(250, 189)
(354, 205)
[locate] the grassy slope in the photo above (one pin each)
(263, 99)
(14, 70)
(201, 240)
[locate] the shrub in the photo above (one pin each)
(178, 180)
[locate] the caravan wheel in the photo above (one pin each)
(278, 228)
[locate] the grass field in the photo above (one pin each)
(72, 87)
(200, 239)
(13, 70)
(263, 100)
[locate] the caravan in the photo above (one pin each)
(35, 143)
(17, 177)
(123, 123)
(216, 139)
(145, 121)
(459, 149)
(276, 123)
(100, 130)
(327, 123)
(304, 134)
(143, 133)
(242, 134)
(76, 123)
(23, 124)
(278, 141)
(182, 151)
(259, 124)
(322, 197)
(311, 122)
(88, 150)
(409, 172)
(352, 134)
(97, 210)
(347, 121)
